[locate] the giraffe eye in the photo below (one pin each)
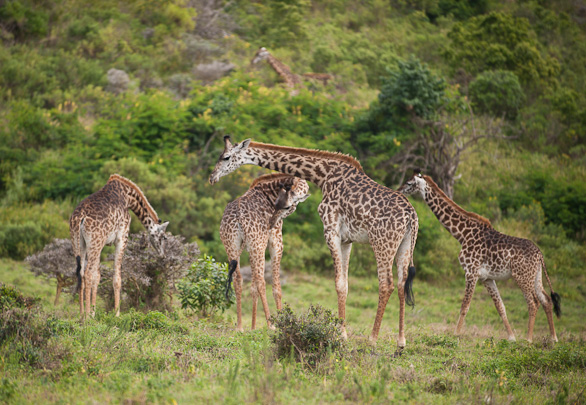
(227, 158)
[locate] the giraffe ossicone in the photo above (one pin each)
(488, 256)
(354, 209)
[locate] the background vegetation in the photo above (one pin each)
(92, 88)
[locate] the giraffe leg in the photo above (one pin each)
(117, 278)
(528, 290)
(500, 307)
(403, 258)
(84, 262)
(257, 263)
(95, 283)
(384, 266)
(91, 269)
(335, 245)
(276, 251)
(471, 280)
(233, 244)
(547, 303)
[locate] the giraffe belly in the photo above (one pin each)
(350, 234)
(487, 272)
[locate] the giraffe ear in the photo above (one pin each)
(242, 145)
(227, 143)
(164, 226)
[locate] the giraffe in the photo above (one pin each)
(102, 219)
(254, 221)
(354, 209)
(489, 256)
(291, 79)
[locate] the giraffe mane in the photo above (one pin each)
(352, 161)
(129, 183)
(455, 206)
(267, 178)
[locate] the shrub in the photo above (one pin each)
(497, 92)
(310, 337)
(148, 279)
(203, 288)
(55, 261)
(133, 321)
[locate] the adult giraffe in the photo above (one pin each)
(488, 255)
(102, 219)
(354, 209)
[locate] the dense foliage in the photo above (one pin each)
(88, 89)
(202, 289)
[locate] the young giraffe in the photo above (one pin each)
(102, 219)
(488, 255)
(254, 221)
(354, 209)
(291, 79)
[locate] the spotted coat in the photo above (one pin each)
(254, 221)
(489, 256)
(354, 209)
(102, 219)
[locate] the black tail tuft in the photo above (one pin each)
(557, 301)
(232, 267)
(78, 274)
(409, 298)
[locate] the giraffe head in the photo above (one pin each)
(231, 159)
(415, 185)
(289, 196)
(157, 237)
(260, 55)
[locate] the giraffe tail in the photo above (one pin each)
(555, 297)
(232, 267)
(78, 274)
(409, 297)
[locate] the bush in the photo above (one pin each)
(309, 337)
(133, 321)
(497, 92)
(55, 261)
(148, 279)
(203, 288)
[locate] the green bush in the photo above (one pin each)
(498, 93)
(309, 337)
(203, 287)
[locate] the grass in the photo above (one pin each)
(179, 358)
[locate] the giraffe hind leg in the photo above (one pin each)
(548, 305)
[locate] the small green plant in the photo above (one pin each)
(202, 289)
(309, 336)
(497, 92)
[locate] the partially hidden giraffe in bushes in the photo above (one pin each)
(254, 221)
(488, 255)
(102, 219)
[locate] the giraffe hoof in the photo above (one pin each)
(272, 327)
(344, 334)
(511, 339)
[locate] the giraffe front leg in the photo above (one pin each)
(121, 242)
(471, 280)
(276, 251)
(384, 255)
(500, 306)
(336, 250)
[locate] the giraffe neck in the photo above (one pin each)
(311, 165)
(137, 202)
(458, 222)
(284, 71)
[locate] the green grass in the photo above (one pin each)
(178, 358)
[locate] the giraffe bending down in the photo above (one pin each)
(291, 79)
(255, 221)
(102, 219)
(488, 255)
(354, 209)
